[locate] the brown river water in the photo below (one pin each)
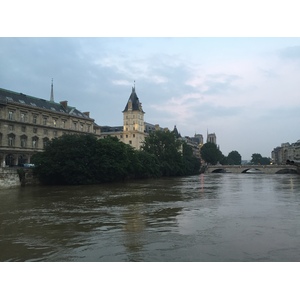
(203, 218)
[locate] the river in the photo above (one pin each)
(203, 218)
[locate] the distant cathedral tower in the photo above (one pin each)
(52, 95)
(133, 122)
(211, 138)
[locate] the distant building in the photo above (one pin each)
(211, 138)
(286, 152)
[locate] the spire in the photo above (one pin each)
(52, 95)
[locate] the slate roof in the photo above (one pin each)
(7, 96)
(135, 101)
(111, 128)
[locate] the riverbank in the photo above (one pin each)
(16, 177)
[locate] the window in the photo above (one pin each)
(54, 122)
(11, 115)
(11, 127)
(81, 127)
(11, 140)
(63, 124)
(23, 128)
(45, 131)
(45, 120)
(23, 117)
(74, 125)
(23, 141)
(133, 135)
(35, 130)
(130, 142)
(89, 128)
(55, 133)
(45, 142)
(35, 142)
(34, 119)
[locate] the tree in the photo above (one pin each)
(165, 146)
(210, 153)
(175, 158)
(234, 158)
(82, 159)
(257, 159)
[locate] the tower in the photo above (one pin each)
(133, 121)
(52, 95)
(211, 138)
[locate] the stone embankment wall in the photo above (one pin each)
(9, 178)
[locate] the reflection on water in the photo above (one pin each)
(210, 217)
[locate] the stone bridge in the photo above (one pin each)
(266, 169)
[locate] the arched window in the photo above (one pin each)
(35, 140)
(11, 140)
(23, 141)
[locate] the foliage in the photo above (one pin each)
(82, 159)
(210, 153)
(174, 157)
(257, 159)
(191, 164)
(234, 158)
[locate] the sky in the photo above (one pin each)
(229, 67)
(243, 89)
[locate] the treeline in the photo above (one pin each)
(84, 159)
(211, 154)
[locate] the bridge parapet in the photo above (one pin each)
(266, 169)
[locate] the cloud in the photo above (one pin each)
(292, 53)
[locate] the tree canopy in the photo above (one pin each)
(84, 159)
(257, 159)
(234, 158)
(211, 153)
(174, 156)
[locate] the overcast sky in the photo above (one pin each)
(245, 90)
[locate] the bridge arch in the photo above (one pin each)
(220, 170)
(286, 171)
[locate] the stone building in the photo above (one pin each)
(286, 152)
(134, 129)
(28, 123)
(211, 138)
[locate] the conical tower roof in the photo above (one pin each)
(133, 98)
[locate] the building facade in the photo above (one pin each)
(28, 123)
(286, 152)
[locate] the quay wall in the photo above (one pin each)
(9, 178)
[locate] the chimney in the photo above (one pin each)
(87, 113)
(64, 104)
